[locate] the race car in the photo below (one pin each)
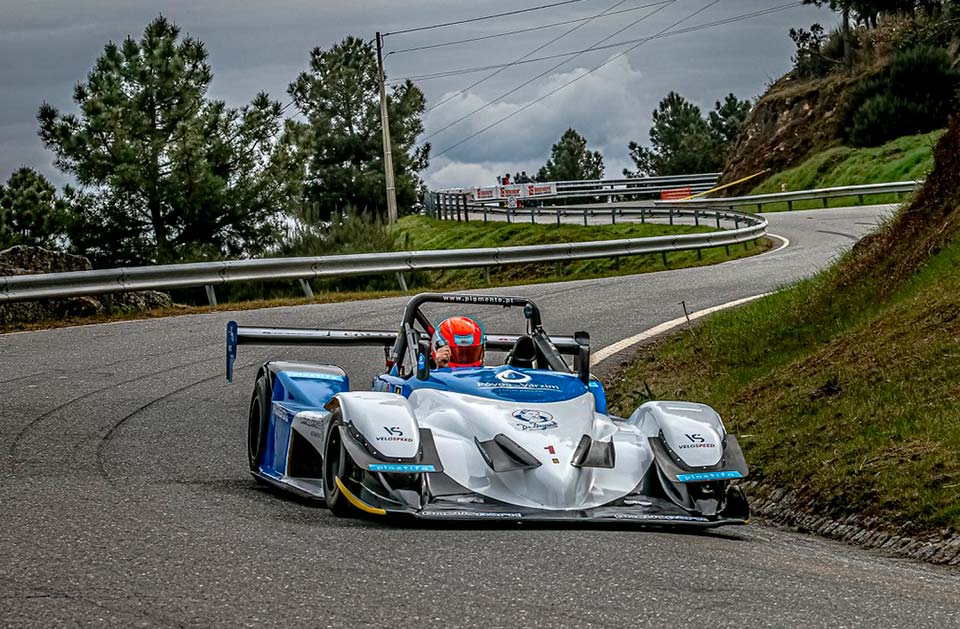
(527, 439)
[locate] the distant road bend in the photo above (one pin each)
(127, 501)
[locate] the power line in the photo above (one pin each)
(535, 50)
(482, 17)
(519, 31)
(574, 80)
(691, 29)
(547, 71)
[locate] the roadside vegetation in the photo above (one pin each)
(909, 158)
(844, 388)
(890, 69)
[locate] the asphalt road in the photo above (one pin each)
(126, 501)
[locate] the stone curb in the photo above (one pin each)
(776, 506)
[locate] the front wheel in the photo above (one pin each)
(337, 464)
(258, 423)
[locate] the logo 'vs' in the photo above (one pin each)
(696, 438)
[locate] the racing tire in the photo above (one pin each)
(258, 424)
(336, 463)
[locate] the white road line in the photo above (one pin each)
(619, 346)
(786, 242)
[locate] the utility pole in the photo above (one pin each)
(387, 152)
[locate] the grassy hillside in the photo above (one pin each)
(418, 232)
(844, 388)
(906, 158)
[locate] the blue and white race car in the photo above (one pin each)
(529, 439)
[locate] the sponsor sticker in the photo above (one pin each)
(401, 467)
(312, 375)
(652, 516)
(471, 514)
(510, 379)
(394, 433)
(696, 441)
(701, 476)
(533, 419)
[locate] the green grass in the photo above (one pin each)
(851, 397)
(903, 159)
(419, 232)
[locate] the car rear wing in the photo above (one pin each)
(236, 335)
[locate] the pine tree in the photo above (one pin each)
(30, 211)
(570, 160)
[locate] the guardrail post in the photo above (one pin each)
(211, 295)
(403, 281)
(613, 217)
(532, 219)
(699, 254)
(824, 202)
(486, 275)
(718, 219)
(466, 209)
(759, 207)
(860, 199)
(508, 215)
(584, 218)
(484, 213)
(726, 248)
(558, 216)
(671, 216)
(456, 203)
(696, 219)
(899, 196)
(663, 256)
(643, 217)
(789, 206)
(307, 289)
(108, 303)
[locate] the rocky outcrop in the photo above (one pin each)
(23, 260)
(792, 120)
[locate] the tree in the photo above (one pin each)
(684, 142)
(571, 161)
(342, 138)
(30, 211)
(166, 174)
(726, 123)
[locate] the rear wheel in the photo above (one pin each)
(258, 423)
(337, 464)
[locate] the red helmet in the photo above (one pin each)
(465, 338)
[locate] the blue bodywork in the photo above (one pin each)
(511, 384)
(293, 392)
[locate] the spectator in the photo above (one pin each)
(523, 177)
(499, 180)
(506, 179)
(516, 178)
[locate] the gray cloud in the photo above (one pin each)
(258, 46)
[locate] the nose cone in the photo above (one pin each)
(549, 432)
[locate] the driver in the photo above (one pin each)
(458, 342)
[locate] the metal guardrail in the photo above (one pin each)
(211, 274)
(897, 187)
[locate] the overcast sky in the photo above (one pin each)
(47, 46)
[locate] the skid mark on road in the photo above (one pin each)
(33, 423)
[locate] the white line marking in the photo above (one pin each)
(619, 346)
(786, 242)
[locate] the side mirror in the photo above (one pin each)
(423, 360)
(582, 360)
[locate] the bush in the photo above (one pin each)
(916, 94)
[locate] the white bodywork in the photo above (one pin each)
(550, 431)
